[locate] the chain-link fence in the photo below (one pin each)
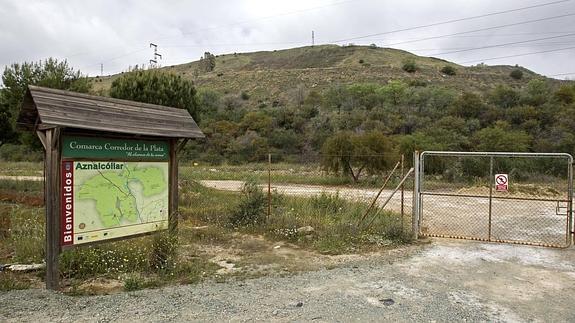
(504, 197)
(303, 194)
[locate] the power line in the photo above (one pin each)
(394, 31)
(119, 56)
(456, 48)
(477, 30)
(272, 16)
(451, 21)
(234, 44)
(504, 44)
(218, 27)
(486, 35)
(560, 74)
(517, 55)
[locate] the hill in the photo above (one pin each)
(305, 101)
(271, 75)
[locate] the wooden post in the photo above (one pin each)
(173, 199)
(52, 201)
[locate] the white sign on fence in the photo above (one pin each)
(501, 182)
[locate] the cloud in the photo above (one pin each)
(118, 33)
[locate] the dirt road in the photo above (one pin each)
(356, 194)
(446, 280)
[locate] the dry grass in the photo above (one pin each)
(271, 75)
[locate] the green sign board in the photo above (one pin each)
(119, 149)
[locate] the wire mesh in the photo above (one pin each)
(460, 197)
(301, 192)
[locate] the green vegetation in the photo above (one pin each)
(12, 281)
(16, 78)
(22, 240)
(20, 153)
(156, 87)
(350, 154)
(251, 209)
(410, 111)
(325, 223)
(516, 74)
(207, 62)
(409, 66)
(335, 223)
(326, 120)
(289, 102)
(410, 117)
(448, 70)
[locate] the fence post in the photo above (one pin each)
(570, 219)
(269, 185)
(415, 204)
(489, 180)
(402, 190)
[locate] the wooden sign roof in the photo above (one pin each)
(45, 108)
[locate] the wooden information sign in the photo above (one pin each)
(110, 167)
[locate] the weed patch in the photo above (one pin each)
(24, 236)
(11, 281)
(205, 205)
(251, 209)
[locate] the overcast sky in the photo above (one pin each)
(117, 33)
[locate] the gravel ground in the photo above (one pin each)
(446, 280)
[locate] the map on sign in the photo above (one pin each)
(117, 199)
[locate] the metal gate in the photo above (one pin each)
(523, 198)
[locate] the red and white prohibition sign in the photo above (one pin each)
(501, 182)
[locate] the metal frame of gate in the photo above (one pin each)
(418, 194)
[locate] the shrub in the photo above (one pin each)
(11, 281)
(328, 204)
(448, 70)
(409, 66)
(5, 225)
(133, 283)
(251, 209)
(565, 94)
(361, 61)
(163, 251)
(157, 87)
(26, 233)
(18, 153)
(245, 95)
(111, 259)
(417, 83)
(516, 74)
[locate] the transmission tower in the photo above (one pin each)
(312, 38)
(154, 61)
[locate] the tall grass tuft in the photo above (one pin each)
(251, 209)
